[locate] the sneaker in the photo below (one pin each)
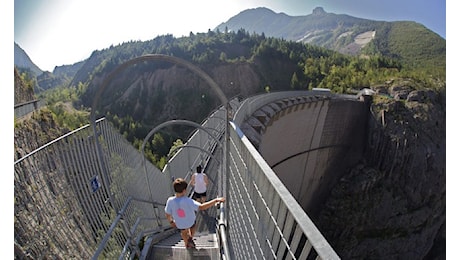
(190, 243)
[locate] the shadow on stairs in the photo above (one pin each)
(206, 241)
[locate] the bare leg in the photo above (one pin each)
(192, 231)
(184, 233)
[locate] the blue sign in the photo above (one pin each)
(95, 184)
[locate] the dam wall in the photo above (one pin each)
(309, 141)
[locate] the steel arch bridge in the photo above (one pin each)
(110, 201)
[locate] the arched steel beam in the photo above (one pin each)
(120, 68)
(177, 122)
(195, 147)
(165, 124)
(159, 57)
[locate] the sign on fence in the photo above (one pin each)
(95, 184)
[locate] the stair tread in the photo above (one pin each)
(202, 240)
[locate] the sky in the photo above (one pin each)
(63, 32)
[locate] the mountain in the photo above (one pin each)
(61, 75)
(67, 71)
(410, 42)
(23, 62)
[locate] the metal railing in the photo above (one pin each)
(264, 219)
(62, 206)
(66, 207)
(62, 202)
(23, 109)
(56, 212)
(181, 165)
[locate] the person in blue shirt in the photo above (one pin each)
(181, 211)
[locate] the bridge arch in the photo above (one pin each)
(123, 66)
(163, 125)
(158, 57)
(177, 122)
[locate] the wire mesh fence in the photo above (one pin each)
(65, 200)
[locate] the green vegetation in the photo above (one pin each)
(61, 101)
(280, 65)
(28, 81)
(312, 65)
(413, 45)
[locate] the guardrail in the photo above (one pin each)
(67, 207)
(141, 227)
(56, 212)
(23, 109)
(264, 220)
(62, 207)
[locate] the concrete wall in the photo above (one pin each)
(310, 145)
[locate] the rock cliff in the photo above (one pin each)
(393, 204)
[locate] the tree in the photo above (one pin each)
(267, 89)
(294, 81)
(176, 144)
(223, 56)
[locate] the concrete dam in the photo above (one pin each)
(309, 140)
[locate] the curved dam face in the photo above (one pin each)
(309, 142)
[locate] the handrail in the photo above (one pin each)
(223, 234)
(253, 168)
(256, 174)
(25, 108)
(101, 246)
(54, 141)
(120, 214)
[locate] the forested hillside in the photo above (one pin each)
(242, 64)
(411, 43)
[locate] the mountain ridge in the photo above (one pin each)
(343, 33)
(22, 60)
(61, 75)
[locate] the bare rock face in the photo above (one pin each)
(318, 11)
(34, 132)
(393, 204)
(38, 129)
(156, 96)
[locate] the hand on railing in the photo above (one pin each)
(211, 203)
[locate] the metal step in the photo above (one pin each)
(173, 247)
(205, 238)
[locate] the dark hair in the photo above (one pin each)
(198, 168)
(179, 185)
